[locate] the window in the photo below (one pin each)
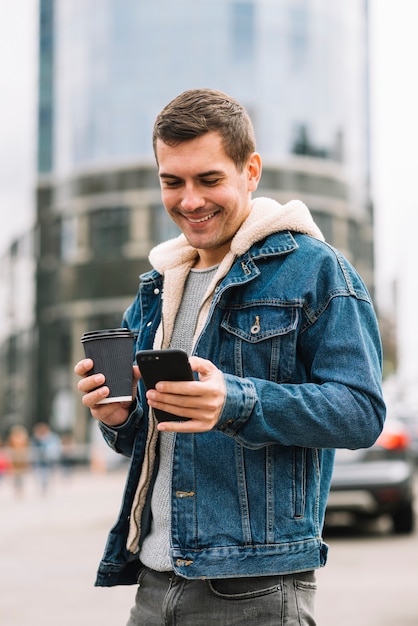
(109, 231)
(358, 242)
(242, 30)
(60, 344)
(69, 238)
(46, 86)
(12, 354)
(163, 227)
(105, 320)
(298, 40)
(325, 222)
(51, 238)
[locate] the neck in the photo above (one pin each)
(210, 257)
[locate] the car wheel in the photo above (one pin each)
(404, 519)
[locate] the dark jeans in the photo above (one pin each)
(164, 599)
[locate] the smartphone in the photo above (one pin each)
(156, 365)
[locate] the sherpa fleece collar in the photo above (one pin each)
(266, 217)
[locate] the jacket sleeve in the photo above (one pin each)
(121, 438)
(335, 397)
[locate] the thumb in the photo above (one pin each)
(202, 366)
(135, 377)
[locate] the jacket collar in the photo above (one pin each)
(266, 217)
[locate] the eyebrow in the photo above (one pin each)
(199, 175)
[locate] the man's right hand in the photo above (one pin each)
(111, 414)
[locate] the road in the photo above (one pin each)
(50, 546)
(370, 578)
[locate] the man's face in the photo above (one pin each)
(205, 194)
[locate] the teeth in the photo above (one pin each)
(203, 219)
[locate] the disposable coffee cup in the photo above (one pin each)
(112, 353)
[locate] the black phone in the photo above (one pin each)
(170, 364)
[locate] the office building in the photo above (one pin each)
(299, 66)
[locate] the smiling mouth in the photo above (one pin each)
(202, 219)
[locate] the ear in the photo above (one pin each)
(254, 167)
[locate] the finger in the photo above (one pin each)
(83, 367)
(93, 398)
(177, 403)
(136, 373)
(203, 412)
(176, 389)
(90, 383)
(135, 377)
(189, 426)
(201, 366)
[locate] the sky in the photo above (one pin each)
(394, 126)
(394, 123)
(18, 78)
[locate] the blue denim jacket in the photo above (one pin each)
(293, 329)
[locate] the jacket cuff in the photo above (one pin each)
(116, 435)
(241, 397)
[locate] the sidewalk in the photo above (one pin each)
(50, 547)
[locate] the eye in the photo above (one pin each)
(210, 182)
(171, 184)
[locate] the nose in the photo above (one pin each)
(192, 198)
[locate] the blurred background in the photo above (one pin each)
(329, 87)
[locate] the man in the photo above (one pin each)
(222, 515)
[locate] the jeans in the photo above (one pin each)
(165, 599)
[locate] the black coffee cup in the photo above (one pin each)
(111, 350)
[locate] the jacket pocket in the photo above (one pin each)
(261, 340)
(299, 482)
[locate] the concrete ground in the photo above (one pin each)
(50, 546)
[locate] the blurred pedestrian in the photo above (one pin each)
(68, 458)
(5, 463)
(46, 453)
(18, 445)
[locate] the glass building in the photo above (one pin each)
(106, 69)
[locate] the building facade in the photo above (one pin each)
(299, 66)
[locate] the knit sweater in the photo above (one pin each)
(174, 259)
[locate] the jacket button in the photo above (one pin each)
(255, 328)
(183, 562)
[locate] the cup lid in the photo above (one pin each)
(106, 333)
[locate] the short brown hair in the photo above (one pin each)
(198, 111)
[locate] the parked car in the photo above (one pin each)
(410, 420)
(371, 482)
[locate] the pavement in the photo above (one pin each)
(50, 547)
(51, 544)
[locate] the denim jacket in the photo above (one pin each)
(292, 327)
